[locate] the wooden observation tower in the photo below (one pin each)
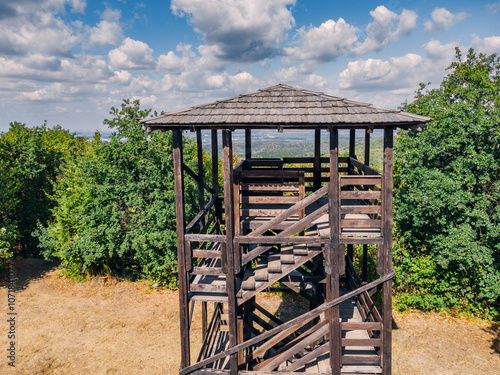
(292, 220)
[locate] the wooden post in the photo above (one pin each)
(183, 280)
(364, 271)
(387, 249)
(215, 179)
(367, 146)
(334, 264)
(317, 160)
(204, 319)
(248, 144)
(201, 189)
(352, 143)
(227, 156)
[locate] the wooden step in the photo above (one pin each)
(287, 256)
(261, 273)
(248, 279)
(300, 249)
(274, 263)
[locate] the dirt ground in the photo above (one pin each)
(105, 326)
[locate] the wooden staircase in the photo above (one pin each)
(273, 266)
(208, 283)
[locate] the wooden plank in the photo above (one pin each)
(366, 169)
(269, 173)
(360, 360)
(275, 361)
(248, 280)
(230, 279)
(208, 271)
(275, 240)
(307, 317)
(319, 351)
(261, 273)
(274, 263)
(360, 194)
(280, 337)
(208, 288)
(291, 211)
(361, 209)
(287, 256)
(197, 253)
(192, 237)
(269, 187)
(361, 342)
(269, 199)
(181, 256)
(208, 297)
(369, 223)
(300, 249)
(360, 180)
(352, 326)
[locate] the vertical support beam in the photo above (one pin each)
(215, 179)
(227, 156)
(367, 146)
(350, 251)
(317, 160)
(181, 256)
(352, 143)
(204, 319)
(248, 144)
(333, 257)
(364, 270)
(201, 189)
(387, 249)
(215, 164)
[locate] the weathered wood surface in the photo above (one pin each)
(307, 316)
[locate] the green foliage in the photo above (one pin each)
(30, 159)
(116, 204)
(447, 193)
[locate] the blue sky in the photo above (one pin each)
(69, 61)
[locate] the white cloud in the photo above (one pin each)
(387, 26)
(108, 31)
(78, 6)
(133, 55)
(322, 44)
(443, 19)
(487, 45)
(170, 63)
(241, 30)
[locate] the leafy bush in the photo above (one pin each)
(447, 193)
(30, 160)
(116, 206)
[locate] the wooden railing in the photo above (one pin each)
(288, 326)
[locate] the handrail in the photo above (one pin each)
(309, 315)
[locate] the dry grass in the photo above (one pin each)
(104, 326)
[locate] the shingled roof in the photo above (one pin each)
(284, 107)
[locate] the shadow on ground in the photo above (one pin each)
(494, 329)
(27, 270)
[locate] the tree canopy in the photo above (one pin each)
(115, 208)
(447, 192)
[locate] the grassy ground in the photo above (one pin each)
(104, 326)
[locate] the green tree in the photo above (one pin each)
(116, 203)
(447, 192)
(30, 160)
